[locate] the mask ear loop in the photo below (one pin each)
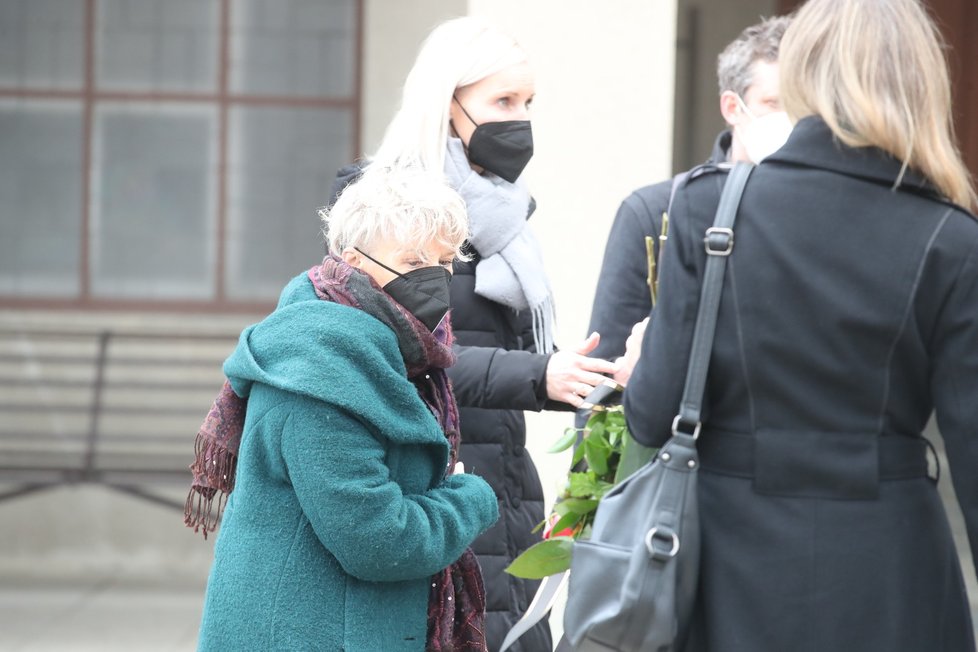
(363, 253)
(743, 107)
(455, 99)
(465, 147)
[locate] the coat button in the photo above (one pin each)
(518, 450)
(515, 500)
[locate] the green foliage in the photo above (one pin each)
(565, 442)
(547, 557)
(610, 454)
(584, 485)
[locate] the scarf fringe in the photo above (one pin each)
(214, 470)
(543, 327)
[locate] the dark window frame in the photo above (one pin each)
(89, 95)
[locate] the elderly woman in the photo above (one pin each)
(465, 112)
(849, 315)
(349, 522)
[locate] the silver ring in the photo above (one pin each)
(662, 534)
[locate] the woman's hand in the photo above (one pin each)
(571, 375)
(633, 349)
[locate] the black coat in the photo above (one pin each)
(622, 297)
(497, 376)
(849, 313)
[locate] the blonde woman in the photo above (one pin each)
(349, 522)
(849, 315)
(465, 113)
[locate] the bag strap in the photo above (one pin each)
(677, 181)
(719, 241)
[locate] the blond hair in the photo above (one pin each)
(409, 206)
(457, 53)
(874, 71)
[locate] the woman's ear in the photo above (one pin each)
(352, 257)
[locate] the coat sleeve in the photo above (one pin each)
(622, 295)
(339, 472)
(955, 389)
(494, 378)
(655, 388)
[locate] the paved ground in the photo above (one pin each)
(86, 569)
(104, 614)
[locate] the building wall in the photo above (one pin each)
(704, 28)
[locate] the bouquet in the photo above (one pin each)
(606, 453)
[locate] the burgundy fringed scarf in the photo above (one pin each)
(456, 605)
(215, 461)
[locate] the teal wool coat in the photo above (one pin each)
(341, 511)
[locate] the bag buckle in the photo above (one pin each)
(695, 434)
(719, 241)
(663, 535)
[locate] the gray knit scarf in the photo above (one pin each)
(510, 270)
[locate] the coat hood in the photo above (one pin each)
(333, 353)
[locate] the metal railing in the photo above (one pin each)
(111, 407)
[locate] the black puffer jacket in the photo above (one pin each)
(498, 375)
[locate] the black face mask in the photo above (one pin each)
(503, 148)
(423, 292)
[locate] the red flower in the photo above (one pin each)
(551, 522)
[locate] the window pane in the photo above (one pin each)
(160, 45)
(153, 202)
(40, 214)
(41, 44)
(293, 47)
(282, 165)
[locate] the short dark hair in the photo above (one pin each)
(758, 42)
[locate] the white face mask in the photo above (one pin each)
(765, 135)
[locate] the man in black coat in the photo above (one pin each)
(747, 70)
